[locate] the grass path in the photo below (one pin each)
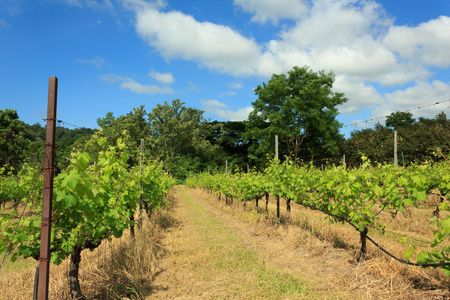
(217, 251)
(208, 260)
(200, 248)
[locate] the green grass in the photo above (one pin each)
(224, 256)
(18, 265)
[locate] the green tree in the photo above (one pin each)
(301, 109)
(399, 119)
(441, 118)
(229, 137)
(137, 127)
(12, 141)
(376, 143)
(417, 142)
(179, 138)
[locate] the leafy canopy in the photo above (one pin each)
(299, 107)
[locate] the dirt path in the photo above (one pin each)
(214, 254)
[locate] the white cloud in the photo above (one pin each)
(223, 111)
(98, 62)
(230, 93)
(94, 4)
(14, 8)
(145, 89)
(234, 85)
(213, 103)
(361, 96)
(339, 35)
(3, 23)
(265, 10)
(420, 95)
(334, 23)
(193, 87)
(166, 78)
(136, 87)
(176, 35)
(137, 5)
(428, 43)
(77, 3)
(354, 38)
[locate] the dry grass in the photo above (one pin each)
(120, 268)
(204, 249)
(327, 252)
(209, 260)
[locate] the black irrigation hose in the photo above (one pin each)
(378, 246)
(36, 284)
(373, 242)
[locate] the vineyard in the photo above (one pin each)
(368, 198)
(216, 255)
(92, 202)
(102, 195)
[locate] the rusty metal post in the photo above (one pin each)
(49, 159)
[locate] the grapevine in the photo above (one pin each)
(91, 203)
(358, 196)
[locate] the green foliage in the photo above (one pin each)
(228, 138)
(173, 133)
(156, 183)
(399, 119)
(417, 142)
(90, 203)
(12, 141)
(300, 108)
(136, 126)
(179, 138)
(355, 195)
(17, 187)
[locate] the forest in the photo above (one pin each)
(300, 107)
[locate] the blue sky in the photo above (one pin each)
(115, 55)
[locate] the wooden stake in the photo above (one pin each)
(49, 160)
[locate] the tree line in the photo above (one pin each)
(418, 140)
(300, 107)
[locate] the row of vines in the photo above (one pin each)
(357, 196)
(92, 202)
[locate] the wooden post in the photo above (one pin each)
(395, 149)
(49, 160)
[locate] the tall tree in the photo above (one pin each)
(376, 143)
(417, 142)
(399, 119)
(12, 142)
(229, 137)
(301, 109)
(180, 137)
(136, 125)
